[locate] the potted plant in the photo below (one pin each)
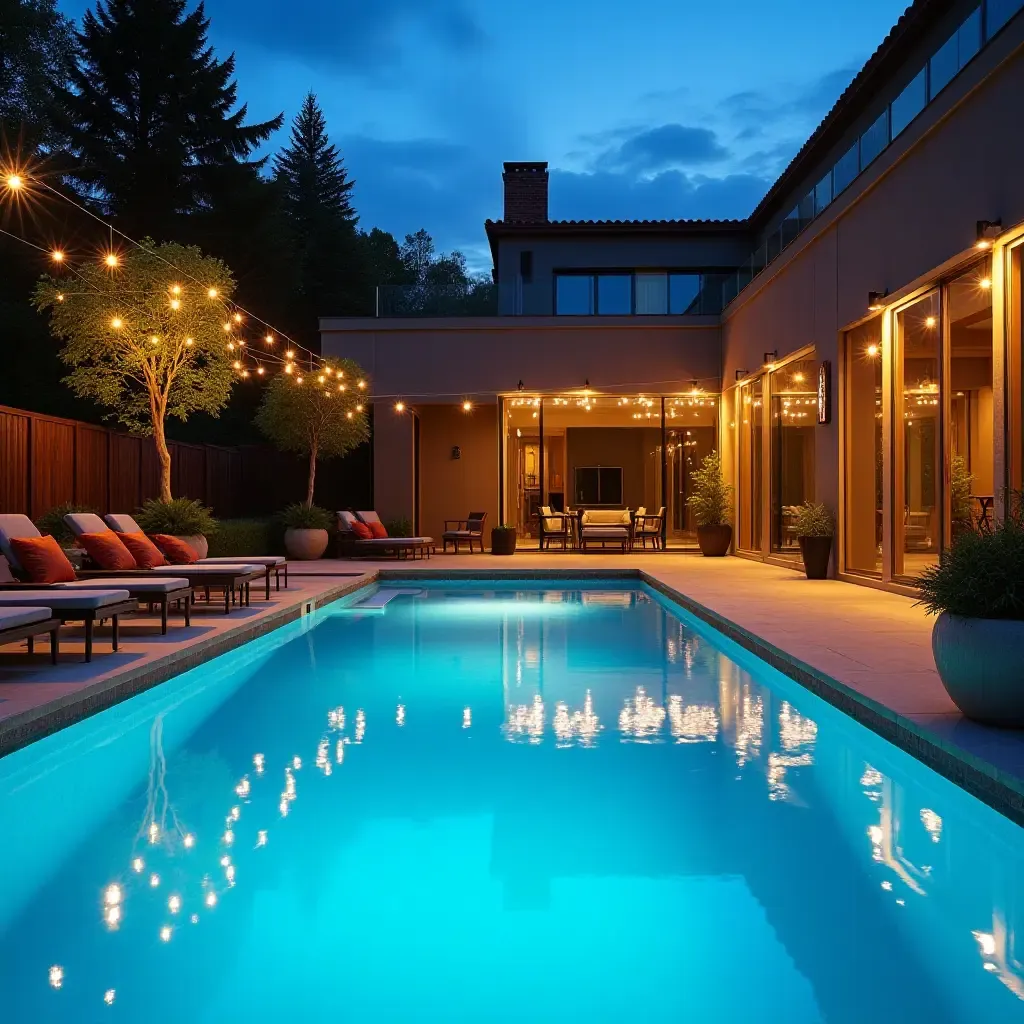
(188, 520)
(503, 540)
(305, 530)
(978, 638)
(711, 507)
(814, 529)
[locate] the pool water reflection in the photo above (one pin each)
(497, 802)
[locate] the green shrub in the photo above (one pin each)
(301, 517)
(961, 483)
(814, 520)
(180, 517)
(244, 537)
(399, 527)
(53, 522)
(711, 501)
(982, 575)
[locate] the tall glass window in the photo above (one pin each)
(846, 169)
(823, 193)
(574, 294)
(683, 290)
(651, 293)
(999, 12)
(944, 65)
(917, 518)
(615, 294)
(875, 139)
(910, 102)
(748, 501)
(794, 419)
(864, 459)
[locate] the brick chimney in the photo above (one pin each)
(526, 192)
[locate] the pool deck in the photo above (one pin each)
(865, 650)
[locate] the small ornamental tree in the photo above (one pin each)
(145, 337)
(320, 414)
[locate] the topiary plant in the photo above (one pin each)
(814, 520)
(711, 500)
(53, 522)
(301, 516)
(180, 517)
(982, 575)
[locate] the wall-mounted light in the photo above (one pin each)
(467, 406)
(521, 385)
(987, 230)
(771, 358)
(876, 300)
(740, 374)
(986, 283)
(872, 351)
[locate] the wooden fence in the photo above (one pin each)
(46, 461)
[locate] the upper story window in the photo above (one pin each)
(643, 293)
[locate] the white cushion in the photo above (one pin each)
(608, 532)
(233, 560)
(85, 522)
(62, 599)
(606, 517)
(11, 618)
(369, 517)
(345, 521)
(198, 569)
(122, 524)
(138, 585)
(13, 524)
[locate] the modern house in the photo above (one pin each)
(855, 341)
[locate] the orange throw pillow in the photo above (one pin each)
(42, 560)
(377, 529)
(107, 551)
(361, 531)
(177, 551)
(144, 551)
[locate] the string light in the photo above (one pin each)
(60, 296)
(57, 256)
(269, 339)
(15, 182)
(238, 318)
(259, 370)
(175, 289)
(289, 368)
(190, 342)
(175, 303)
(986, 283)
(111, 259)
(467, 406)
(399, 406)
(212, 293)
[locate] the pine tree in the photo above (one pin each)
(317, 198)
(150, 115)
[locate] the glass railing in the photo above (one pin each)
(966, 41)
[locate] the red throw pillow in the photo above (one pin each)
(377, 529)
(144, 551)
(174, 549)
(42, 560)
(107, 551)
(361, 531)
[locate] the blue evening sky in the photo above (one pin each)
(668, 108)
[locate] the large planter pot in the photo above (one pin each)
(197, 542)
(503, 542)
(714, 541)
(981, 665)
(816, 552)
(305, 545)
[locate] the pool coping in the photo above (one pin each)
(24, 728)
(1001, 790)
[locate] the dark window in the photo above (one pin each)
(875, 139)
(944, 65)
(806, 209)
(847, 168)
(910, 102)
(526, 265)
(574, 294)
(969, 36)
(998, 13)
(822, 193)
(614, 294)
(683, 290)
(651, 293)
(598, 485)
(790, 226)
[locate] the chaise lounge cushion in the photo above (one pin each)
(126, 527)
(378, 530)
(63, 599)
(360, 531)
(146, 554)
(174, 549)
(41, 560)
(136, 584)
(12, 618)
(107, 551)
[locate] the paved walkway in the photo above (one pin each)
(875, 643)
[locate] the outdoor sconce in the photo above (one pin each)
(456, 452)
(521, 385)
(740, 374)
(986, 231)
(771, 358)
(875, 300)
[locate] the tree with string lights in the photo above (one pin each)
(147, 336)
(319, 415)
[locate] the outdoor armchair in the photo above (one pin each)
(465, 531)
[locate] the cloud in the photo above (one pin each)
(758, 110)
(368, 38)
(660, 148)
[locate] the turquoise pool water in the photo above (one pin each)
(491, 802)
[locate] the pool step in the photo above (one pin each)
(382, 598)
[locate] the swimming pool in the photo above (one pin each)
(494, 801)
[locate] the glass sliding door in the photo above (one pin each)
(917, 436)
(794, 420)
(863, 453)
(691, 434)
(751, 459)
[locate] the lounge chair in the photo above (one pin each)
(275, 564)
(229, 578)
(71, 604)
(351, 546)
(24, 623)
(465, 531)
(156, 590)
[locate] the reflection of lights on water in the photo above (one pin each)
(339, 752)
(112, 895)
(777, 766)
(109, 996)
(526, 721)
(137, 865)
(467, 717)
(189, 840)
(795, 730)
(194, 919)
(986, 942)
(154, 880)
(283, 808)
(236, 813)
(887, 886)
(174, 904)
(323, 760)
(229, 873)
(165, 933)
(400, 715)
(228, 837)
(871, 776)
(360, 725)
(56, 976)
(261, 837)
(154, 832)
(113, 917)
(577, 726)
(750, 728)
(692, 723)
(296, 763)
(336, 718)
(257, 761)
(225, 861)
(901, 903)
(932, 823)
(211, 899)
(640, 718)
(242, 789)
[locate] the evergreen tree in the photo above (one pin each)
(150, 117)
(317, 197)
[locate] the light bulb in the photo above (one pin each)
(189, 341)
(260, 371)
(14, 182)
(290, 354)
(269, 339)
(237, 365)
(929, 321)
(362, 384)
(348, 415)
(289, 368)
(359, 408)
(111, 259)
(466, 406)
(175, 303)
(174, 904)
(57, 256)
(211, 293)
(211, 899)
(60, 296)
(175, 289)
(298, 380)
(872, 351)
(238, 318)
(399, 406)
(986, 283)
